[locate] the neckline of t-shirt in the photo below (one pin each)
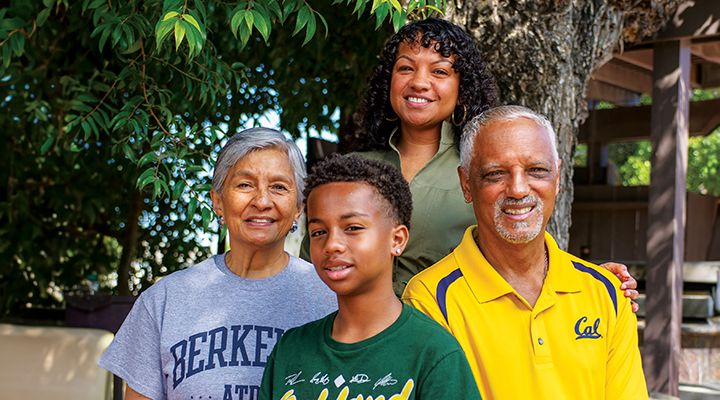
(339, 346)
(248, 283)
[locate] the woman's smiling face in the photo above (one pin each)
(259, 199)
(424, 86)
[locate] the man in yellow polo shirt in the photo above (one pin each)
(535, 322)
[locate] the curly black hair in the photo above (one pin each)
(477, 91)
(385, 178)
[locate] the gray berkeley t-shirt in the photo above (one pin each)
(206, 333)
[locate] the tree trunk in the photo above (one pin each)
(129, 245)
(543, 53)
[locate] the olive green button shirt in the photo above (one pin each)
(440, 214)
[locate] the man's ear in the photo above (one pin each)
(464, 184)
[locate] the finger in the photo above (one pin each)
(635, 307)
(629, 283)
(632, 294)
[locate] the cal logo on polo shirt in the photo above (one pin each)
(586, 330)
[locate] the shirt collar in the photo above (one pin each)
(487, 284)
(447, 138)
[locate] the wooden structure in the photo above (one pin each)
(685, 55)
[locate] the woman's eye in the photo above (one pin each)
(441, 72)
(280, 188)
(404, 68)
(538, 171)
(244, 185)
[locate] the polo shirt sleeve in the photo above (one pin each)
(625, 379)
(420, 296)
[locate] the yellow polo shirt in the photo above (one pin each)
(579, 341)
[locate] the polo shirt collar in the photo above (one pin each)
(487, 284)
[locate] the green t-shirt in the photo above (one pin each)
(440, 214)
(414, 358)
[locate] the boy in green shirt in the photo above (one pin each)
(373, 347)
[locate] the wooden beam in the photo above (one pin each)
(666, 216)
(693, 19)
(597, 90)
(625, 75)
(633, 123)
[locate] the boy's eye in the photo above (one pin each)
(317, 232)
(354, 228)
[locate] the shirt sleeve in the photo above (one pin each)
(625, 379)
(266, 387)
(418, 295)
(134, 354)
(450, 378)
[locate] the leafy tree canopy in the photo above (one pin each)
(113, 110)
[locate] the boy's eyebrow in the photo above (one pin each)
(344, 216)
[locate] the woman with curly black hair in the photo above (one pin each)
(430, 80)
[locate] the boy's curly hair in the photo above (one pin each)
(385, 178)
(477, 89)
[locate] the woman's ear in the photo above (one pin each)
(216, 202)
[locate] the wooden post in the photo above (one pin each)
(666, 215)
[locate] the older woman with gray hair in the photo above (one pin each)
(206, 332)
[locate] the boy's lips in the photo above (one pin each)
(337, 270)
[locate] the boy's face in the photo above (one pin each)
(352, 239)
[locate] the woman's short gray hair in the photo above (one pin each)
(249, 140)
(502, 113)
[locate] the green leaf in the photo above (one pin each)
(178, 189)
(236, 20)
(189, 18)
(206, 216)
(170, 14)
(275, 8)
(103, 38)
(162, 29)
(302, 19)
(381, 13)
(288, 8)
(192, 204)
(398, 20)
(145, 177)
(179, 33)
(310, 29)
(47, 144)
(397, 5)
(42, 17)
(249, 20)
(262, 24)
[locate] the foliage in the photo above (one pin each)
(112, 112)
(703, 172)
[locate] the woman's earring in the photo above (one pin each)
(222, 220)
(462, 121)
(397, 252)
(294, 227)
